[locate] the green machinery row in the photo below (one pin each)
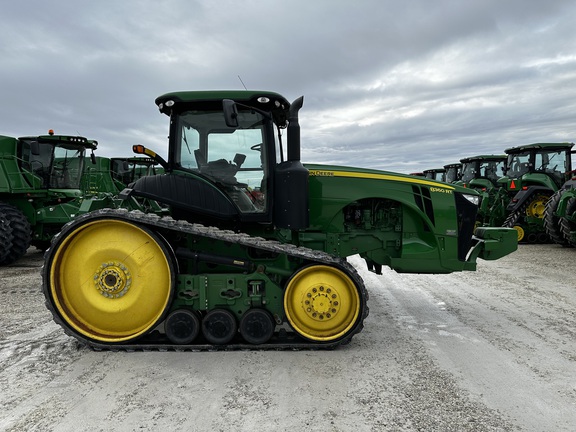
(46, 181)
(531, 188)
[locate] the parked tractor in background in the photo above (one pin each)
(39, 189)
(111, 175)
(534, 173)
(234, 269)
(481, 173)
(453, 172)
(438, 174)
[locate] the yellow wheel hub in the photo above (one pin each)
(110, 280)
(321, 303)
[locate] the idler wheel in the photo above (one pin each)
(219, 326)
(257, 326)
(182, 326)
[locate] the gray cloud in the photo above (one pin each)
(392, 85)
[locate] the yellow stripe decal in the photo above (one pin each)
(322, 173)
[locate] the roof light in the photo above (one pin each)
(50, 132)
(263, 99)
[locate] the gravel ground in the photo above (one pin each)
(492, 350)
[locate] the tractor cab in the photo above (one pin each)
(438, 174)
(226, 159)
(53, 161)
(127, 170)
(453, 172)
(544, 164)
(483, 171)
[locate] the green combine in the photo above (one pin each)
(40, 189)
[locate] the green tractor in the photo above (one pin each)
(253, 253)
(452, 172)
(438, 174)
(534, 173)
(40, 189)
(481, 173)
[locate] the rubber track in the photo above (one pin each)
(283, 340)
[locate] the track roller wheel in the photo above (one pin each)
(109, 280)
(520, 232)
(257, 326)
(219, 326)
(182, 326)
(322, 303)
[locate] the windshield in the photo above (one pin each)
(59, 166)
(67, 167)
(234, 158)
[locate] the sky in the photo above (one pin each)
(401, 85)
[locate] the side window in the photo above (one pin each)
(233, 158)
(555, 165)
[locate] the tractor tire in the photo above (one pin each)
(552, 222)
(5, 237)
(567, 226)
(20, 230)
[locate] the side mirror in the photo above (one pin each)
(230, 113)
(239, 159)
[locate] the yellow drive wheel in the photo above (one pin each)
(110, 280)
(321, 303)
